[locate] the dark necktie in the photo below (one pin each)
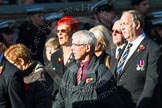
(80, 73)
(123, 58)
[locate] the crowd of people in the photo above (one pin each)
(55, 61)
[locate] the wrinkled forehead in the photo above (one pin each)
(126, 17)
(116, 25)
(77, 38)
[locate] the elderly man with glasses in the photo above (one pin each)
(88, 83)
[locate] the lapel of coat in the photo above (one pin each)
(137, 52)
(115, 62)
(57, 61)
(112, 51)
(71, 59)
(73, 71)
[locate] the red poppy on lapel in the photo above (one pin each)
(141, 47)
(26, 86)
(1, 69)
(59, 60)
(89, 80)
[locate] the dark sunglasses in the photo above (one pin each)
(62, 31)
(116, 31)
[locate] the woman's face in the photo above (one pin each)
(50, 50)
(63, 33)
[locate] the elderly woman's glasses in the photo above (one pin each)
(78, 45)
(117, 31)
(62, 31)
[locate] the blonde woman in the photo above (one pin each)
(51, 46)
(102, 33)
(37, 92)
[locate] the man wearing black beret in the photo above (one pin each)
(104, 13)
(31, 32)
(7, 31)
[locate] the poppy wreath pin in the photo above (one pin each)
(141, 47)
(89, 80)
(59, 60)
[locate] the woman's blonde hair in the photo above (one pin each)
(16, 51)
(102, 34)
(53, 41)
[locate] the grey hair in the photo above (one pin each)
(136, 17)
(86, 38)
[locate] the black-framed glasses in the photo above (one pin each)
(78, 45)
(62, 31)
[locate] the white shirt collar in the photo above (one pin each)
(138, 40)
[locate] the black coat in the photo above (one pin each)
(138, 87)
(34, 38)
(38, 89)
(11, 86)
(96, 90)
(57, 68)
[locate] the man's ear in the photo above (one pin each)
(88, 48)
(138, 25)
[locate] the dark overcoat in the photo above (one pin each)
(96, 90)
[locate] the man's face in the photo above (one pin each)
(78, 49)
(117, 35)
(37, 19)
(105, 17)
(143, 7)
(63, 33)
(127, 26)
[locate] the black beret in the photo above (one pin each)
(102, 5)
(7, 26)
(136, 2)
(34, 10)
(53, 16)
